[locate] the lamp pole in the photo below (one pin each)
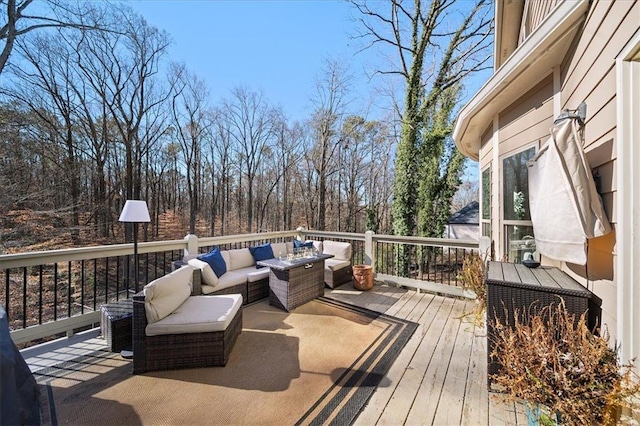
(135, 211)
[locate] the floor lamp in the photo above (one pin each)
(135, 211)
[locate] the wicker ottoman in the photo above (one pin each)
(115, 324)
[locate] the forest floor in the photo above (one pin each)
(30, 230)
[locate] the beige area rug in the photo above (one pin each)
(316, 365)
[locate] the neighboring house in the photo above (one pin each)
(465, 223)
(550, 56)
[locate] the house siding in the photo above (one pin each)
(528, 119)
(587, 73)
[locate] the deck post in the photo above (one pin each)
(192, 244)
(369, 250)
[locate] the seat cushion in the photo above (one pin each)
(164, 295)
(199, 314)
(336, 264)
(257, 275)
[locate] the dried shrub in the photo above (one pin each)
(551, 358)
(472, 278)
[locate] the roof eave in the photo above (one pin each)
(533, 59)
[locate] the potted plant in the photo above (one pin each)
(564, 372)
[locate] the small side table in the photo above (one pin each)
(116, 324)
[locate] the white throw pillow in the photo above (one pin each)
(208, 276)
(165, 294)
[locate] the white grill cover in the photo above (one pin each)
(566, 209)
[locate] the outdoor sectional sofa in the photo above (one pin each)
(241, 276)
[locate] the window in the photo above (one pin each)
(516, 215)
(486, 202)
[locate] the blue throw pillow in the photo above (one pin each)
(215, 260)
(261, 252)
(299, 244)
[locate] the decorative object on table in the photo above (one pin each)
(362, 277)
(551, 360)
(529, 261)
(135, 211)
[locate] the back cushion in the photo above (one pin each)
(279, 249)
(163, 295)
(340, 250)
(240, 258)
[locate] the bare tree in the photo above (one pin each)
(16, 22)
(191, 122)
(252, 124)
(330, 102)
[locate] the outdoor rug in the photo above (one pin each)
(316, 365)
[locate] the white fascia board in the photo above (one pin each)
(532, 60)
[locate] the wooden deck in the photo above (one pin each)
(439, 378)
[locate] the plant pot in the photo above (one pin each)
(362, 277)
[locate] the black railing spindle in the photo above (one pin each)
(24, 297)
(40, 295)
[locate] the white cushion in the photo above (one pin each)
(336, 264)
(163, 295)
(338, 249)
(317, 245)
(257, 274)
(225, 257)
(199, 314)
(232, 278)
(240, 258)
(279, 248)
(208, 276)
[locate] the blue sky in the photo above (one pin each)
(277, 47)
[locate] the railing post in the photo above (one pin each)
(369, 250)
(192, 244)
(301, 230)
(484, 245)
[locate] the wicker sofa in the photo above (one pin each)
(242, 276)
(173, 328)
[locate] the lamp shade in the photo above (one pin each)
(135, 211)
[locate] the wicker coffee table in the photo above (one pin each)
(296, 282)
(115, 324)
